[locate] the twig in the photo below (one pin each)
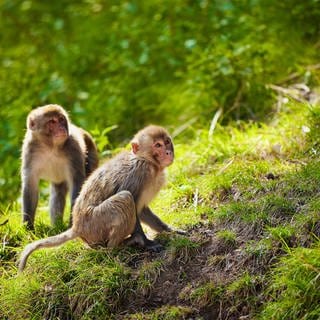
(214, 121)
(196, 199)
(225, 167)
(4, 242)
(4, 222)
(237, 99)
(184, 127)
(297, 74)
(288, 92)
(236, 103)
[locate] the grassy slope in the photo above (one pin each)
(248, 195)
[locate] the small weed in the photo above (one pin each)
(294, 290)
(182, 249)
(227, 236)
(282, 233)
(259, 248)
(162, 313)
(147, 275)
(205, 295)
(245, 284)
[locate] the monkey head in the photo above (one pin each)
(49, 122)
(154, 143)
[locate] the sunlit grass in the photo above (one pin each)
(236, 182)
(295, 286)
(228, 236)
(162, 313)
(204, 295)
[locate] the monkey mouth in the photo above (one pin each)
(167, 161)
(59, 134)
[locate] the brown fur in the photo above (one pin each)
(116, 195)
(65, 161)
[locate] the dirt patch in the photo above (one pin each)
(215, 263)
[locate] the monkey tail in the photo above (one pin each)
(53, 241)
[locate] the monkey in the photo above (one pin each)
(115, 198)
(55, 150)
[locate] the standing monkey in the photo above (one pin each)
(116, 197)
(55, 150)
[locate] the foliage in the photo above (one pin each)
(227, 236)
(128, 63)
(252, 246)
(295, 286)
(246, 181)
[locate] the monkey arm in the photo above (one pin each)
(139, 238)
(92, 159)
(154, 222)
(77, 166)
(77, 182)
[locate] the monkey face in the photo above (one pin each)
(154, 143)
(49, 123)
(57, 127)
(163, 151)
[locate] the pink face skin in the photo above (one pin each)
(57, 127)
(163, 152)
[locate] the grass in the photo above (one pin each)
(295, 286)
(251, 209)
(205, 295)
(228, 236)
(163, 313)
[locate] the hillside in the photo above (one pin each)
(236, 83)
(117, 66)
(248, 196)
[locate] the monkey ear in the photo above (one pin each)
(31, 124)
(134, 147)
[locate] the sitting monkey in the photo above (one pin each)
(116, 197)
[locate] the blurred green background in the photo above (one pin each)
(118, 65)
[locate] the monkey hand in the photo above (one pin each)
(178, 231)
(143, 242)
(154, 246)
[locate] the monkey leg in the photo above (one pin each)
(30, 193)
(110, 222)
(139, 238)
(57, 202)
(149, 218)
(77, 182)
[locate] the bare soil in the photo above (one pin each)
(215, 261)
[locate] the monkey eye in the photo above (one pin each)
(51, 121)
(61, 119)
(158, 145)
(167, 141)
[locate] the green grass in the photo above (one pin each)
(163, 313)
(228, 236)
(294, 289)
(252, 247)
(222, 77)
(189, 64)
(204, 295)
